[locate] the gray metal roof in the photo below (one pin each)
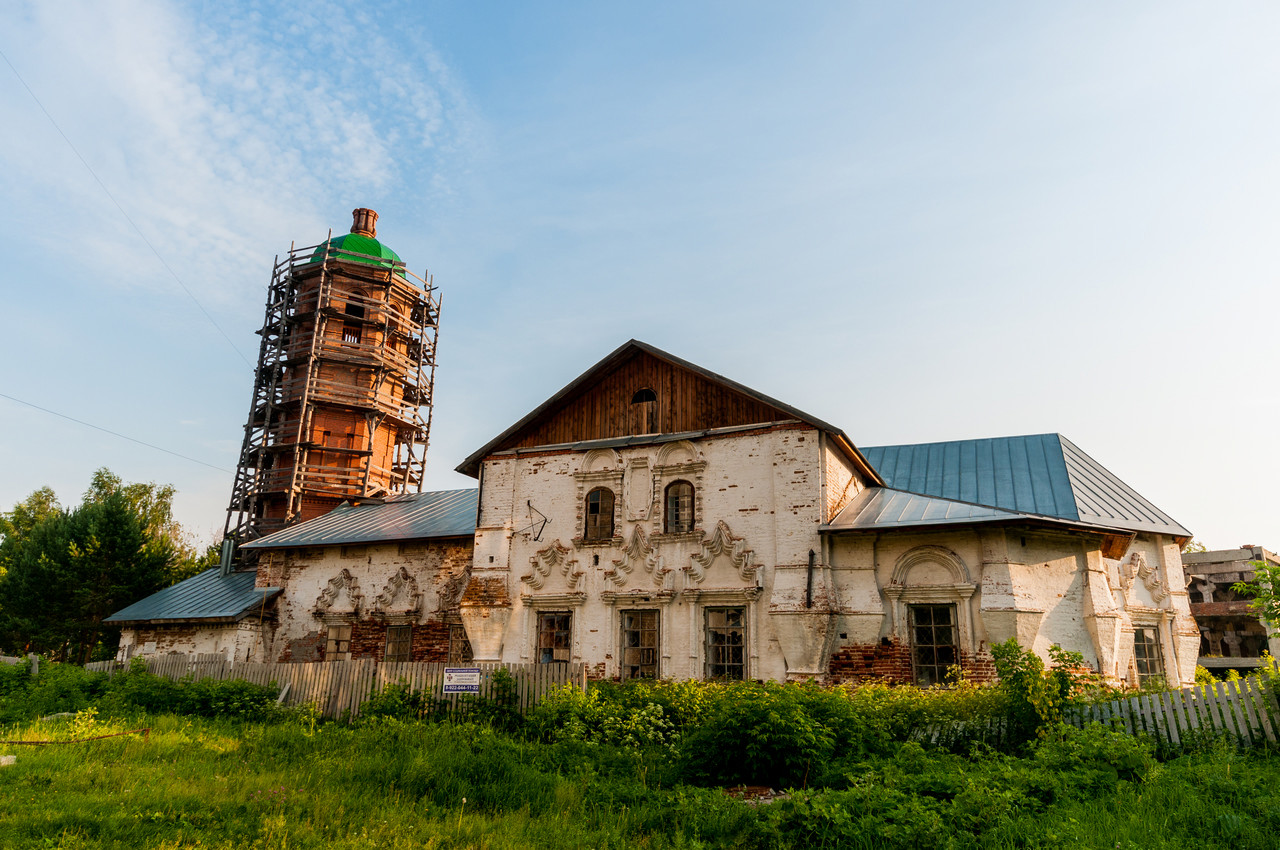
(208, 597)
(412, 516)
(1042, 475)
(882, 507)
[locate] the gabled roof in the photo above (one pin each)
(471, 466)
(208, 597)
(1042, 475)
(412, 516)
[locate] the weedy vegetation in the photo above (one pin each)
(644, 764)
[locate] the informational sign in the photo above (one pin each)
(462, 680)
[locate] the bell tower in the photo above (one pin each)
(342, 393)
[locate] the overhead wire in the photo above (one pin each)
(115, 433)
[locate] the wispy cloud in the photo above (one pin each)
(222, 135)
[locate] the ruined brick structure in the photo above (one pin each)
(1231, 635)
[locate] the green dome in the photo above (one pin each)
(349, 246)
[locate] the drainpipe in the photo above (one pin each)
(808, 585)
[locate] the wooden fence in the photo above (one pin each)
(1245, 709)
(338, 687)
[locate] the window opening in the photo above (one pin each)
(338, 645)
(639, 644)
(644, 412)
(554, 632)
(351, 329)
(599, 515)
(459, 645)
(399, 643)
(1147, 656)
(726, 643)
(679, 514)
(933, 650)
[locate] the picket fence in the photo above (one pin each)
(1245, 709)
(339, 688)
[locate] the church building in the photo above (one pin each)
(653, 519)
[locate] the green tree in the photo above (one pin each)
(65, 571)
(1265, 591)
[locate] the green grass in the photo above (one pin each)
(393, 784)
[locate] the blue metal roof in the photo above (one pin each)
(1042, 475)
(209, 597)
(881, 507)
(412, 516)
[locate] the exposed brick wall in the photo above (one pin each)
(430, 641)
(890, 661)
(309, 647)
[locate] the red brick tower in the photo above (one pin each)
(341, 404)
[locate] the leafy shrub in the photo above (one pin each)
(399, 702)
(1093, 760)
(762, 736)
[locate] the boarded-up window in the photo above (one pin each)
(599, 524)
(554, 633)
(644, 412)
(399, 643)
(639, 644)
(933, 650)
(679, 513)
(726, 643)
(1147, 656)
(338, 645)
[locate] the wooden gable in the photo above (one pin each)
(603, 407)
(607, 402)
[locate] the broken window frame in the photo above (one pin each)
(460, 651)
(725, 636)
(639, 653)
(1148, 654)
(935, 645)
(678, 507)
(401, 638)
(554, 637)
(598, 515)
(337, 645)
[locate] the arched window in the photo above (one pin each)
(644, 412)
(679, 507)
(351, 328)
(599, 515)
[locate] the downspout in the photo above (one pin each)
(808, 585)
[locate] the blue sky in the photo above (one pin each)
(917, 221)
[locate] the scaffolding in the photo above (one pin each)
(347, 338)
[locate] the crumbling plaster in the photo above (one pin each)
(759, 499)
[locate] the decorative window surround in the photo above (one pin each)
(555, 556)
(721, 595)
(676, 461)
(343, 580)
(958, 592)
(637, 598)
(722, 542)
(401, 584)
(638, 551)
(1138, 568)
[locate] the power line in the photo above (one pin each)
(137, 229)
(114, 433)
